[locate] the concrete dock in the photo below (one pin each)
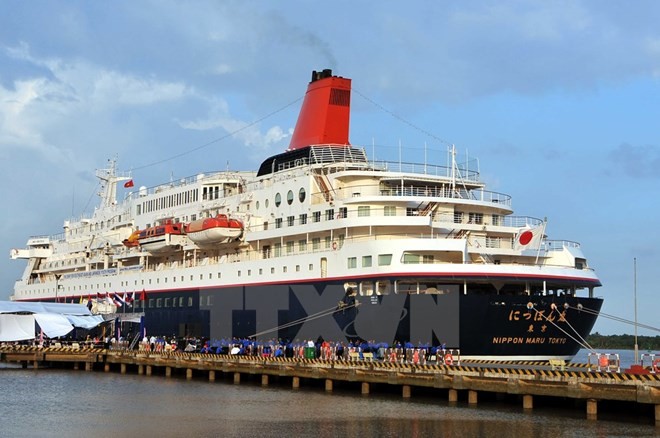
(459, 382)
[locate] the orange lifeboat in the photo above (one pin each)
(162, 237)
(133, 239)
(217, 229)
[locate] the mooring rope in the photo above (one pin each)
(313, 316)
(613, 317)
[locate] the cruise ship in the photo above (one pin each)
(324, 242)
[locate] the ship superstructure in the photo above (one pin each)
(321, 241)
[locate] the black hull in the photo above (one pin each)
(480, 325)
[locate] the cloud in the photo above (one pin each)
(639, 162)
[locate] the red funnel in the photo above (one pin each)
(325, 112)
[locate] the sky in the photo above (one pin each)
(558, 100)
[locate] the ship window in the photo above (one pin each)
(261, 271)
(364, 210)
(290, 220)
(366, 261)
(277, 249)
(390, 210)
(266, 202)
(239, 273)
(496, 219)
(249, 272)
(303, 219)
(406, 287)
(278, 222)
(327, 242)
(475, 218)
(352, 262)
(410, 258)
(301, 195)
(182, 278)
(302, 245)
(219, 275)
(311, 266)
(272, 270)
(297, 268)
(283, 268)
(208, 300)
(173, 279)
(278, 200)
(458, 217)
(159, 302)
(167, 302)
(257, 205)
(190, 301)
(210, 276)
(289, 247)
(384, 259)
(151, 303)
(366, 288)
(329, 214)
(382, 287)
(180, 301)
(316, 243)
(317, 216)
(289, 197)
(343, 212)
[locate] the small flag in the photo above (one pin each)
(128, 184)
(143, 295)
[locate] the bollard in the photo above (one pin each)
(592, 409)
(365, 388)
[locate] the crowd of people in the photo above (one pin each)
(308, 349)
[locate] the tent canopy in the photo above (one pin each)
(17, 319)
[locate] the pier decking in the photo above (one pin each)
(523, 381)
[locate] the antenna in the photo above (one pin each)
(635, 303)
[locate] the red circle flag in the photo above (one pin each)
(525, 237)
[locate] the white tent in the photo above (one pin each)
(17, 319)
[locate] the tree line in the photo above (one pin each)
(623, 342)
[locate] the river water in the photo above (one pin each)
(37, 403)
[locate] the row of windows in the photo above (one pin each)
(367, 262)
(302, 195)
(157, 303)
(385, 287)
(168, 201)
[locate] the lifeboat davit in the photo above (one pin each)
(133, 239)
(162, 237)
(217, 229)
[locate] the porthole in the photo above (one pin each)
(301, 195)
(289, 197)
(257, 205)
(278, 200)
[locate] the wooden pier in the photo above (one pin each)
(524, 382)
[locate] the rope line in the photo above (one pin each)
(317, 315)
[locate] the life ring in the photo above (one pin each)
(656, 366)
(334, 246)
(603, 362)
(449, 359)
